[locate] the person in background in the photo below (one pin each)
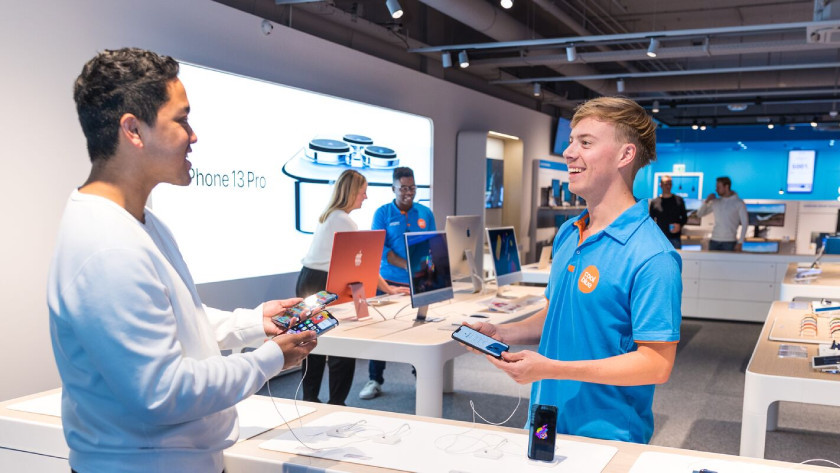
(397, 217)
(145, 387)
(610, 329)
(730, 211)
(349, 192)
(668, 211)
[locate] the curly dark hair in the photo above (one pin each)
(116, 82)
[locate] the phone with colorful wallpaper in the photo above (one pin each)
(543, 432)
(309, 305)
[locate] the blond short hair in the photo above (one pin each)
(632, 124)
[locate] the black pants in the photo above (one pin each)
(341, 369)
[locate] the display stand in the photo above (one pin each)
(357, 290)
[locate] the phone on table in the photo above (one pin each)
(828, 361)
(479, 341)
(320, 322)
(312, 303)
(543, 432)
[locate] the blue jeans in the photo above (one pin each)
(721, 245)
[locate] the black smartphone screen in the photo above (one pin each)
(479, 341)
(319, 323)
(543, 433)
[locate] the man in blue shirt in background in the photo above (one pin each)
(398, 217)
(610, 329)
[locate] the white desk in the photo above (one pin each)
(770, 379)
(826, 285)
(427, 346)
(34, 442)
(532, 274)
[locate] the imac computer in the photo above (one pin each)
(765, 215)
(354, 267)
(465, 237)
(505, 255)
(429, 278)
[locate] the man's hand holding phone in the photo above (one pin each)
(274, 309)
(295, 346)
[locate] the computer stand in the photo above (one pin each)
(478, 283)
(421, 315)
(357, 290)
(504, 295)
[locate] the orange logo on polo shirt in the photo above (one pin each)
(588, 280)
(421, 223)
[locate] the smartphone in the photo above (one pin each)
(828, 361)
(312, 303)
(543, 433)
(479, 341)
(320, 322)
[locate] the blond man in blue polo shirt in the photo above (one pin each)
(609, 331)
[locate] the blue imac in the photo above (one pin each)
(505, 255)
(429, 278)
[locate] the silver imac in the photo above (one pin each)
(465, 237)
(428, 268)
(505, 253)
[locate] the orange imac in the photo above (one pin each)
(354, 267)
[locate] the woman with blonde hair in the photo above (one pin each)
(349, 192)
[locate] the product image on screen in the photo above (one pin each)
(691, 206)
(766, 215)
(505, 255)
(543, 432)
(479, 341)
(760, 246)
(319, 323)
(494, 193)
(430, 278)
(314, 302)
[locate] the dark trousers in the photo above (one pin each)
(341, 369)
(676, 241)
(376, 368)
(721, 245)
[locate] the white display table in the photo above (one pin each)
(826, 285)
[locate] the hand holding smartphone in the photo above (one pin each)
(309, 305)
(479, 341)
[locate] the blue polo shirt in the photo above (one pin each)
(396, 223)
(620, 286)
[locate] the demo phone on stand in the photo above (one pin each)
(479, 341)
(320, 322)
(543, 432)
(312, 303)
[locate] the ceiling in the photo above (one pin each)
(718, 62)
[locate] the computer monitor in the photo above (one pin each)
(760, 246)
(832, 245)
(766, 215)
(354, 267)
(429, 275)
(465, 237)
(505, 255)
(691, 206)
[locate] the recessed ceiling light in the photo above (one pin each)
(737, 107)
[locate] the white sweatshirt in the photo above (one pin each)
(320, 251)
(145, 388)
(729, 213)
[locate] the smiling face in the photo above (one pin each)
(404, 192)
(167, 143)
(594, 157)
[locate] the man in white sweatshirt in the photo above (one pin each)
(145, 387)
(730, 211)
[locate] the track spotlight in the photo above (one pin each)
(654, 46)
(814, 123)
(463, 60)
(702, 127)
(506, 4)
(395, 8)
(537, 89)
(655, 108)
(770, 126)
(619, 86)
(446, 59)
(694, 125)
(571, 53)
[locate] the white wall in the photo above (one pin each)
(44, 45)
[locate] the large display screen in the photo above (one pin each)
(800, 173)
(264, 166)
(766, 215)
